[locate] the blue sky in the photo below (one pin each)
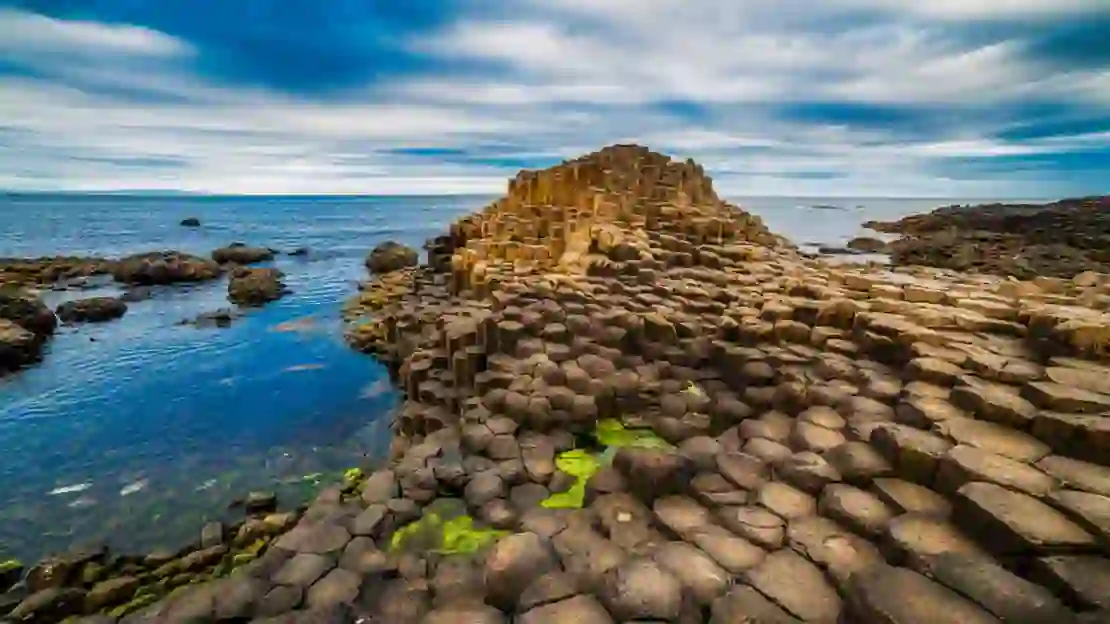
(941, 98)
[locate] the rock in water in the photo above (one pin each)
(28, 312)
(238, 253)
(190, 222)
(92, 310)
(165, 267)
(255, 287)
(391, 256)
(18, 347)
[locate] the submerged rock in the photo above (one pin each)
(92, 310)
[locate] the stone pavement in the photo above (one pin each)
(847, 444)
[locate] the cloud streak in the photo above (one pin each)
(847, 97)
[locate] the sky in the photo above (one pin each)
(897, 98)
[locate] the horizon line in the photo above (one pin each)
(206, 194)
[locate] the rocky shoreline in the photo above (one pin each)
(27, 324)
(627, 400)
(1059, 239)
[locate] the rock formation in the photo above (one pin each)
(164, 267)
(1061, 239)
(391, 256)
(92, 310)
(239, 253)
(255, 286)
(654, 410)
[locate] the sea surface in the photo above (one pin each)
(135, 432)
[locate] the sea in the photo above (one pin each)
(136, 432)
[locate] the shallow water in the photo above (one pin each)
(137, 431)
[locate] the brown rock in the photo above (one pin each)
(641, 589)
(964, 464)
(1009, 522)
(888, 595)
(577, 610)
(797, 585)
(697, 572)
(744, 605)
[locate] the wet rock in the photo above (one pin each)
(18, 347)
(164, 267)
(190, 222)
(237, 253)
(391, 256)
(255, 287)
(28, 313)
(92, 310)
(49, 605)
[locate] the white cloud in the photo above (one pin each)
(29, 33)
(573, 75)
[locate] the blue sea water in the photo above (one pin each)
(135, 432)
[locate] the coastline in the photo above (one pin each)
(789, 403)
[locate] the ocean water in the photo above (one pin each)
(135, 432)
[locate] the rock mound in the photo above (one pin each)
(391, 256)
(164, 267)
(18, 347)
(255, 286)
(48, 270)
(238, 253)
(92, 310)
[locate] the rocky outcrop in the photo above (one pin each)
(626, 401)
(164, 267)
(866, 244)
(391, 256)
(190, 222)
(28, 312)
(255, 286)
(1060, 239)
(26, 324)
(238, 253)
(50, 270)
(92, 310)
(18, 347)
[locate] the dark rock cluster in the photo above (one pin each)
(1061, 239)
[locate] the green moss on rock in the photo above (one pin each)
(457, 536)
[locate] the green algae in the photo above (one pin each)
(455, 536)
(10, 564)
(613, 433)
(582, 464)
(351, 477)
